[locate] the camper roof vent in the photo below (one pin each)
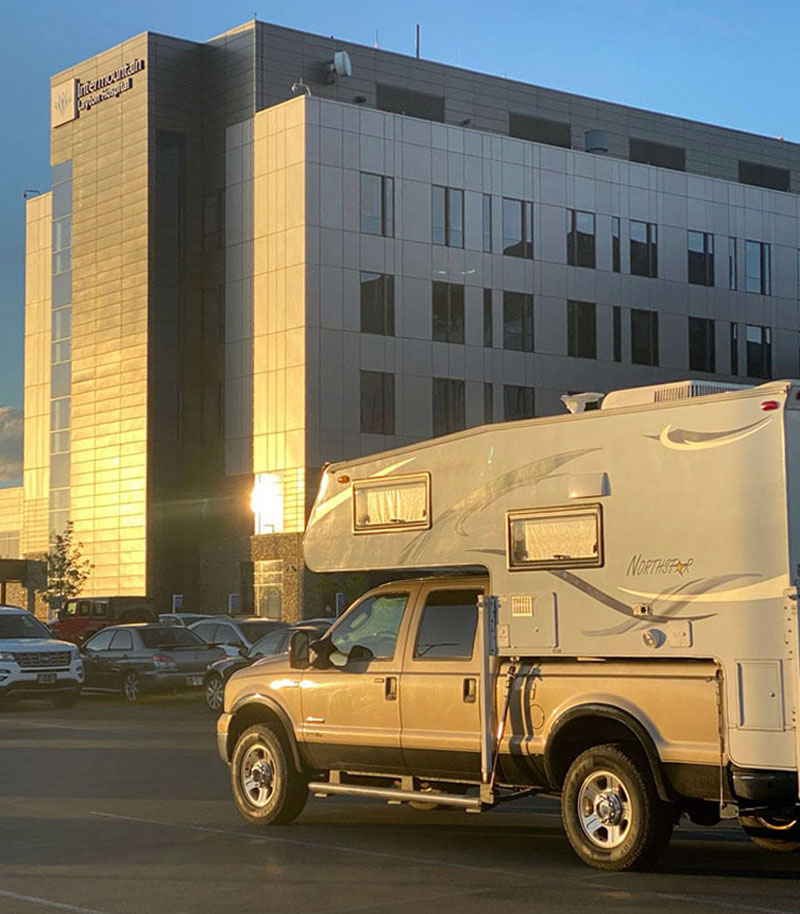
(666, 393)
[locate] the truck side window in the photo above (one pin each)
(374, 623)
(448, 624)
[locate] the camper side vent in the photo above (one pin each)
(666, 393)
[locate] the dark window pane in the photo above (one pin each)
(763, 175)
(519, 402)
(447, 308)
(517, 228)
(377, 303)
(487, 318)
(650, 153)
(757, 267)
(438, 216)
(734, 349)
(615, 244)
(644, 249)
(449, 413)
(580, 239)
(405, 101)
(488, 402)
(582, 329)
(448, 625)
(644, 337)
(759, 352)
(700, 258)
(702, 355)
(518, 321)
(617, 312)
(371, 204)
(487, 223)
(377, 402)
(732, 264)
(539, 130)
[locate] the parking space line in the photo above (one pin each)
(46, 902)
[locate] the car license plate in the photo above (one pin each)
(194, 680)
(46, 677)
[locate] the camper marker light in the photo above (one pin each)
(767, 405)
(343, 479)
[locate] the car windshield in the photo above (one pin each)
(171, 636)
(255, 630)
(21, 625)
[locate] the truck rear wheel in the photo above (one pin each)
(775, 832)
(611, 811)
(266, 787)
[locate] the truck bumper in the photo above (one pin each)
(764, 786)
(223, 723)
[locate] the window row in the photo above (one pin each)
(448, 403)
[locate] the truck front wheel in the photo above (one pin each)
(266, 787)
(773, 832)
(611, 811)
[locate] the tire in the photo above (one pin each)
(131, 687)
(267, 789)
(611, 811)
(774, 832)
(65, 701)
(215, 692)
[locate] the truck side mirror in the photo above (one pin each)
(298, 651)
(360, 654)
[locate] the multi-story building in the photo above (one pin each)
(251, 263)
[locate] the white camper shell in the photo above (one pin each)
(663, 525)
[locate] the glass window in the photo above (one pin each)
(170, 636)
(517, 228)
(377, 303)
(122, 641)
(59, 413)
(617, 318)
(60, 379)
(205, 631)
(615, 247)
(101, 640)
(662, 155)
(488, 402)
(701, 258)
(582, 329)
(448, 625)
(447, 310)
(734, 349)
(553, 538)
(274, 643)
(757, 267)
(518, 402)
(644, 249)
(449, 412)
(733, 282)
(759, 352)
(373, 623)
(764, 175)
(487, 223)
(487, 318)
(644, 337)
(580, 239)
(59, 471)
(62, 323)
(377, 402)
(391, 504)
(377, 204)
(702, 355)
(518, 321)
(227, 634)
(438, 215)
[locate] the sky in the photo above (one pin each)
(732, 63)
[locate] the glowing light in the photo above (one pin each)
(267, 503)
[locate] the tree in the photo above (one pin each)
(67, 570)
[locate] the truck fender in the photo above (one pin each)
(570, 720)
(256, 709)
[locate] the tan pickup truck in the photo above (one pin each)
(388, 705)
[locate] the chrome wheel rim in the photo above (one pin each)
(604, 809)
(130, 687)
(257, 775)
(215, 693)
(776, 823)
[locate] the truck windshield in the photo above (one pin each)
(373, 624)
(22, 625)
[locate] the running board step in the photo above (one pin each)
(323, 789)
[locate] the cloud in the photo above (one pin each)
(10, 447)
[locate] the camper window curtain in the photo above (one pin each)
(391, 503)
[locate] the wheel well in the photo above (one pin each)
(258, 713)
(589, 729)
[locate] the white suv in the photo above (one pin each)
(33, 664)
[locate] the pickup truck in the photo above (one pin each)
(389, 705)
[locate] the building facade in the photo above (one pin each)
(250, 264)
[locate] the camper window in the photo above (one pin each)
(391, 504)
(554, 538)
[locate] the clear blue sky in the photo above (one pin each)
(733, 63)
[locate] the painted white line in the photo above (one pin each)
(314, 845)
(46, 902)
(700, 901)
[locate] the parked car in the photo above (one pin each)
(33, 664)
(235, 635)
(272, 644)
(183, 620)
(146, 657)
(84, 616)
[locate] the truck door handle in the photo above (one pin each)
(390, 690)
(469, 690)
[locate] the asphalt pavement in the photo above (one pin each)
(114, 809)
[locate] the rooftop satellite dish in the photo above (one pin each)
(340, 65)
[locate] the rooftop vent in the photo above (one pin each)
(667, 393)
(595, 141)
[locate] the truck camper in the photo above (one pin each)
(607, 613)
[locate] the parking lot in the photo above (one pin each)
(114, 809)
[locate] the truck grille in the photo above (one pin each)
(35, 659)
